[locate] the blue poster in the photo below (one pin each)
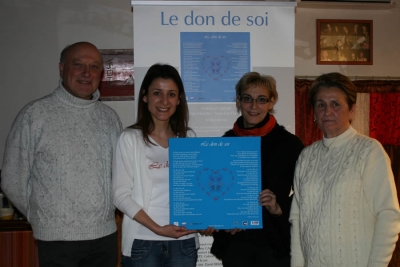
(215, 181)
(212, 63)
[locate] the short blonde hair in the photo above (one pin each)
(252, 79)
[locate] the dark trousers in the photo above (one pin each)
(245, 254)
(101, 252)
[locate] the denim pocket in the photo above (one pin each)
(140, 249)
(188, 247)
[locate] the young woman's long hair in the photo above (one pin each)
(179, 120)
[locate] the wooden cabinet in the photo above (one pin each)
(17, 245)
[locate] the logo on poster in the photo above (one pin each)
(215, 182)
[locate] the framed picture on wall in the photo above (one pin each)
(344, 42)
(117, 81)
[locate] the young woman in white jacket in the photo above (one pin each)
(141, 175)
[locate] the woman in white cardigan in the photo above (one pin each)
(345, 210)
(141, 175)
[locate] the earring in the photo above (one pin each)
(315, 119)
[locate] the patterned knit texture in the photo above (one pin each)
(57, 166)
(335, 194)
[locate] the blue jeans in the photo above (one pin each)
(175, 253)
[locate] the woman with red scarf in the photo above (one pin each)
(256, 96)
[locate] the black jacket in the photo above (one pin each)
(279, 152)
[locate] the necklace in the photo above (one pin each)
(323, 143)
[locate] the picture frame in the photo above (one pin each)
(344, 42)
(117, 81)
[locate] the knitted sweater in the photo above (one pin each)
(57, 166)
(345, 210)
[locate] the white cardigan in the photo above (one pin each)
(345, 210)
(132, 183)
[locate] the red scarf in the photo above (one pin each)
(256, 131)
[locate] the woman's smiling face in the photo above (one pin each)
(253, 113)
(162, 99)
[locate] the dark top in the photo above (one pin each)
(279, 152)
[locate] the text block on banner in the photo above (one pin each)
(215, 182)
(212, 44)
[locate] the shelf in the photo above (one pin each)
(15, 225)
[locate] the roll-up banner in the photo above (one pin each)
(212, 44)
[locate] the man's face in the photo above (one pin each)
(81, 70)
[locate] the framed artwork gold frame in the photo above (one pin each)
(117, 81)
(344, 42)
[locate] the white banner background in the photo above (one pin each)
(157, 28)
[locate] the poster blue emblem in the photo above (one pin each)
(212, 63)
(215, 181)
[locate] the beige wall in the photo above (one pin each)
(386, 39)
(34, 32)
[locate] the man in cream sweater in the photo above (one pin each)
(57, 165)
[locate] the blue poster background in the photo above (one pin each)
(212, 63)
(215, 181)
